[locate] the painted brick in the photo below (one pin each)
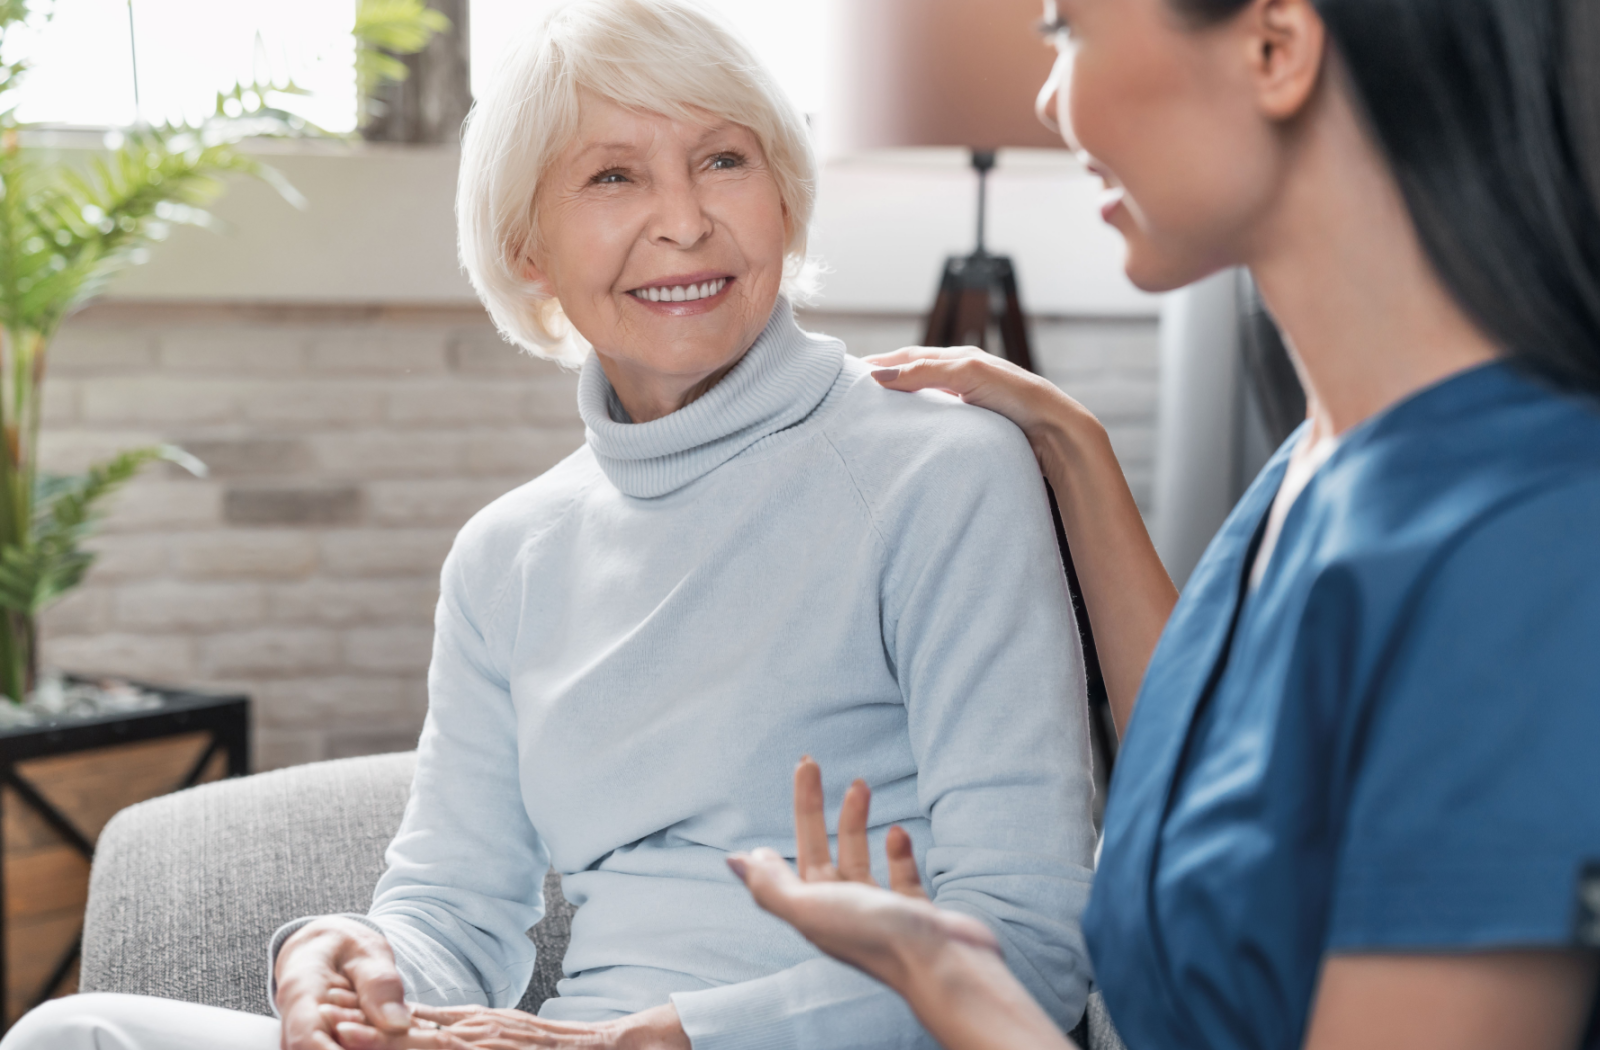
(166, 659)
(158, 400)
(328, 402)
(71, 451)
(233, 554)
(553, 401)
(381, 352)
(276, 749)
(286, 505)
(441, 502)
(355, 601)
(389, 649)
(98, 351)
(83, 611)
(524, 452)
(486, 354)
(386, 552)
(352, 745)
(248, 457)
(1116, 400)
(60, 404)
(342, 702)
(269, 652)
(463, 403)
(389, 454)
(153, 503)
(162, 605)
(234, 350)
(128, 556)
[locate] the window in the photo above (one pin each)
(187, 51)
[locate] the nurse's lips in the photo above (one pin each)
(1112, 196)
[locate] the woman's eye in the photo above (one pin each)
(609, 178)
(724, 161)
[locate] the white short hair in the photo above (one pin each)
(670, 57)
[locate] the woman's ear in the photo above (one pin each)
(533, 274)
(1288, 46)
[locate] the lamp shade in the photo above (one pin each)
(939, 73)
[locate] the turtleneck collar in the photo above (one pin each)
(781, 379)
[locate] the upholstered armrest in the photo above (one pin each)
(187, 888)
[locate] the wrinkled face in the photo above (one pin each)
(1167, 116)
(663, 239)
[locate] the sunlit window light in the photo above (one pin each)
(187, 51)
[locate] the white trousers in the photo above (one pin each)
(106, 1021)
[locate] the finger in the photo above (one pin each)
(341, 997)
(812, 855)
(770, 879)
(332, 1016)
(379, 991)
(903, 876)
(907, 354)
(355, 1035)
(444, 1014)
(855, 857)
(323, 1041)
(959, 376)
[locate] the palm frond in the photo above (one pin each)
(66, 509)
(386, 28)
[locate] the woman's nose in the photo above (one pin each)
(680, 220)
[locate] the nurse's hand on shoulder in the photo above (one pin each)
(1033, 403)
(337, 958)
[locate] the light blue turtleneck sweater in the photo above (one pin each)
(633, 650)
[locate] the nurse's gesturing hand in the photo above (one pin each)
(1127, 590)
(947, 965)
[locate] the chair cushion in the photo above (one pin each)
(187, 888)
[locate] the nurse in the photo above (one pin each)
(1358, 804)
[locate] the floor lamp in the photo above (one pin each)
(962, 73)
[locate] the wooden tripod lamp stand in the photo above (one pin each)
(979, 291)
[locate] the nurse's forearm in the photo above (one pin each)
(1125, 587)
(968, 1000)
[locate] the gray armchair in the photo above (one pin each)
(187, 888)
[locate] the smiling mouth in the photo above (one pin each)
(681, 293)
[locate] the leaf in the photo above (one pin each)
(386, 28)
(65, 512)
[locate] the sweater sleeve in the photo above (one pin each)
(978, 626)
(464, 881)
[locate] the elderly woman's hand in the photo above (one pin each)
(483, 1028)
(839, 907)
(336, 959)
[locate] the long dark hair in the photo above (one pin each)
(1489, 114)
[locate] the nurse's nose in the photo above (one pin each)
(1047, 106)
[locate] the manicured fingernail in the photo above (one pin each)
(739, 866)
(886, 375)
(395, 1015)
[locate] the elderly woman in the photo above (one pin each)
(758, 553)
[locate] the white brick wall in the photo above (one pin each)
(347, 445)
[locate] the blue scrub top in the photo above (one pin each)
(1392, 745)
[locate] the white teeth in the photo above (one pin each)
(682, 293)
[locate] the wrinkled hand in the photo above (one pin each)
(337, 961)
(1030, 401)
(483, 1028)
(839, 907)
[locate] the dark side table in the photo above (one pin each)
(225, 718)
